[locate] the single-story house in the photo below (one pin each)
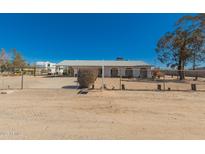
(111, 68)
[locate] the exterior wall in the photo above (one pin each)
(149, 73)
(52, 69)
(107, 71)
(59, 70)
(77, 68)
(136, 73)
(121, 70)
(47, 66)
(75, 71)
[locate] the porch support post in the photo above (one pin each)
(103, 75)
(120, 78)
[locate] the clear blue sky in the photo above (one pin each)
(55, 37)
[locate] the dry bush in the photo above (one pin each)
(157, 74)
(87, 77)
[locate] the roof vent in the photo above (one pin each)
(119, 58)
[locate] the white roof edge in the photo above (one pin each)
(102, 62)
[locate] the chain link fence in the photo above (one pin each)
(158, 80)
(35, 78)
(124, 79)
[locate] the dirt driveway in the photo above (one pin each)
(62, 114)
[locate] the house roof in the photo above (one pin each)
(42, 63)
(101, 63)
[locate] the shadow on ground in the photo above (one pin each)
(70, 87)
(159, 80)
(52, 76)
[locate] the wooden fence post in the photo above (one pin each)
(193, 87)
(164, 83)
(22, 78)
(159, 87)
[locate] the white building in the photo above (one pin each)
(46, 66)
(112, 68)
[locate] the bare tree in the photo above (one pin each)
(195, 25)
(172, 50)
(18, 61)
(184, 45)
(4, 61)
(197, 48)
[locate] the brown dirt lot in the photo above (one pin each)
(48, 111)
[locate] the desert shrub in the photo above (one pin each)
(157, 74)
(87, 77)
